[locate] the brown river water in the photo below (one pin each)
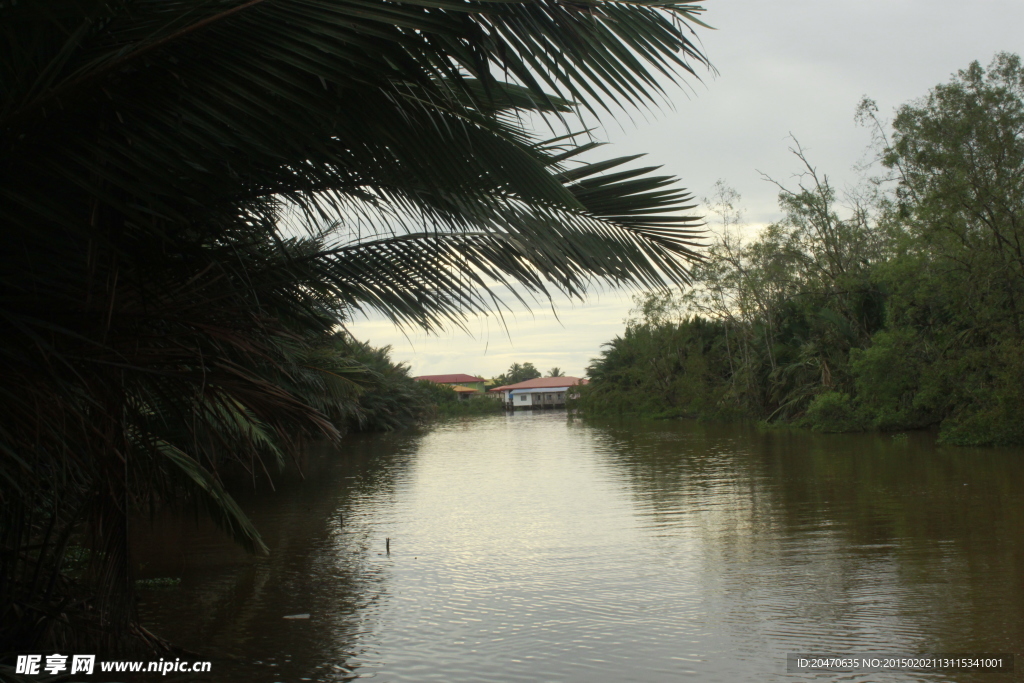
(532, 547)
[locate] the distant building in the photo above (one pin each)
(464, 393)
(474, 384)
(534, 394)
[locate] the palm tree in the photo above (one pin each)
(197, 193)
(556, 372)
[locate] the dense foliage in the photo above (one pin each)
(517, 372)
(196, 194)
(387, 397)
(900, 310)
(445, 403)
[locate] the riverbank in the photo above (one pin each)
(840, 423)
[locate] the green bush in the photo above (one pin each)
(442, 401)
(473, 406)
(888, 377)
(993, 410)
(833, 412)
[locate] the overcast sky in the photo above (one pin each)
(788, 66)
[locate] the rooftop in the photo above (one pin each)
(449, 379)
(543, 383)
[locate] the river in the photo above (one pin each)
(532, 547)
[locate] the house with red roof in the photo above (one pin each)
(464, 385)
(535, 394)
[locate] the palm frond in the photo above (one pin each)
(225, 510)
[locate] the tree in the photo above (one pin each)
(197, 194)
(556, 372)
(960, 157)
(957, 304)
(517, 372)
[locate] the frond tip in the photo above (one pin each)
(223, 508)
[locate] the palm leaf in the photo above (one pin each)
(225, 510)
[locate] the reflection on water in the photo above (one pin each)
(529, 548)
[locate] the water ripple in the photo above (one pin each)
(524, 548)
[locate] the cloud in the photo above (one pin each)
(568, 341)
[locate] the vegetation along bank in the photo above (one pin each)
(893, 307)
